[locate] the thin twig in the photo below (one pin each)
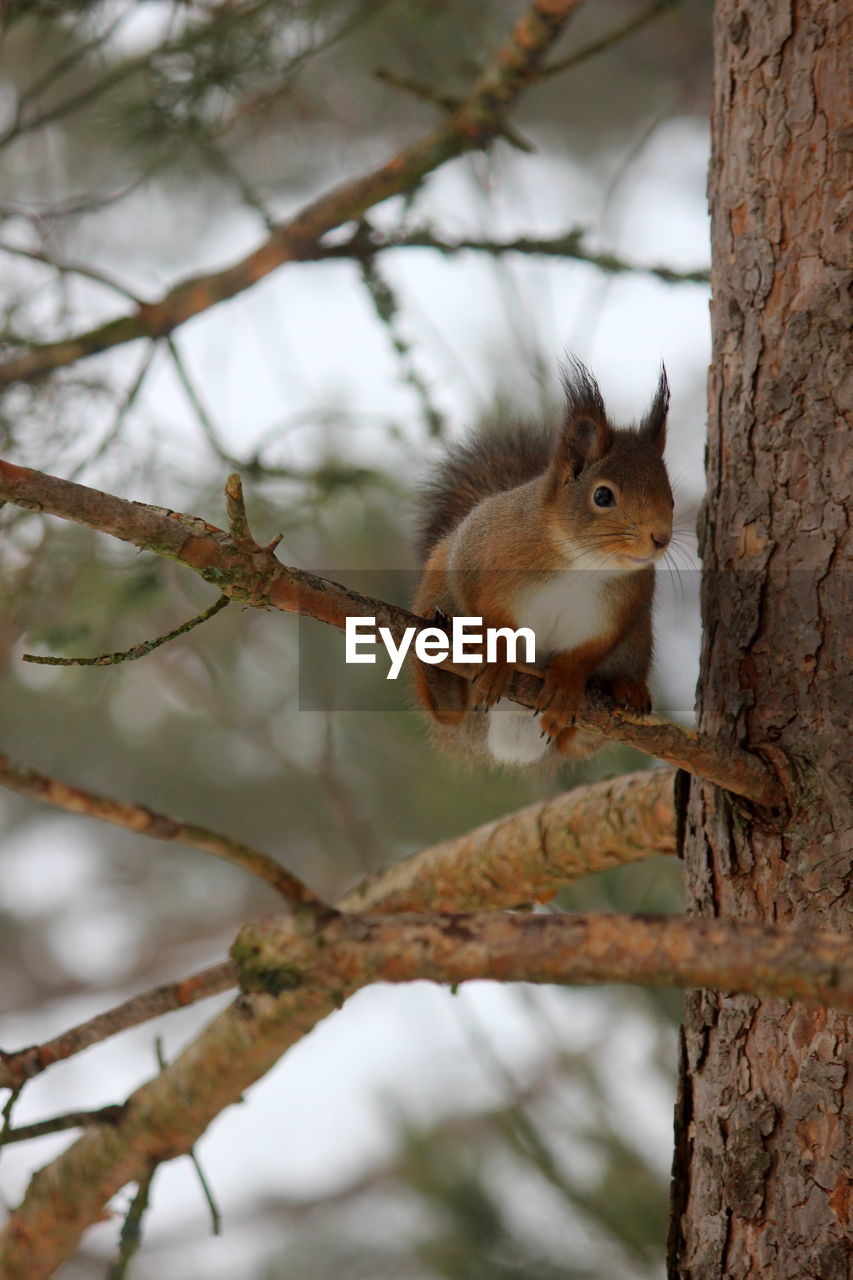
(137, 651)
(8, 1107)
(58, 1124)
(71, 268)
(387, 309)
(158, 826)
(127, 402)
(131, 1231)
(215, 1215)
(607, 41)
(20, 1065)
(569, 245)
(83, 204)
(258, 103)
(48, 79)
(418, 89)
(221, 161)
(204, 419)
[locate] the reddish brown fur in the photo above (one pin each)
(502, 543)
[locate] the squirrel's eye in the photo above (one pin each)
(604, 497)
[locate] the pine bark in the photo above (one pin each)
(759, 1185)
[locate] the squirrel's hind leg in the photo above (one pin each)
(574, 744)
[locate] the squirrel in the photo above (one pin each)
(557, 530)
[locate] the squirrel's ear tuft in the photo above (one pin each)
(586, 434)
(653, 426)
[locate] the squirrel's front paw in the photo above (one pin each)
(561, 694)
(633, 695)
(491, 683)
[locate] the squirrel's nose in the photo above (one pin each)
(660, 539)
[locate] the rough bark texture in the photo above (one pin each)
(759, 1179)
(656, 951)
(531, 854)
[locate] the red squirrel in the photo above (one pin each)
(559, 531)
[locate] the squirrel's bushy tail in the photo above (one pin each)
(489, 461)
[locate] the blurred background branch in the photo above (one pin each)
(473, 124)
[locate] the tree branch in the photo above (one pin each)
(215, 1216)
(162, 1119)
(251, 573)
(524, 856)
(144, 821)
(70, 268)
(570, 245)
(58, 1124)
(615, 36)
(471, 127)
(665, 951)
(131, 1229)
(136, 651)
(165, 1116)
(529, 855)
(21, 1065)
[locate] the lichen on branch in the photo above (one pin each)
(274, 956)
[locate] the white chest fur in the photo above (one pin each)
(567, 609)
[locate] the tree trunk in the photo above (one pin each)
(759, 1183)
